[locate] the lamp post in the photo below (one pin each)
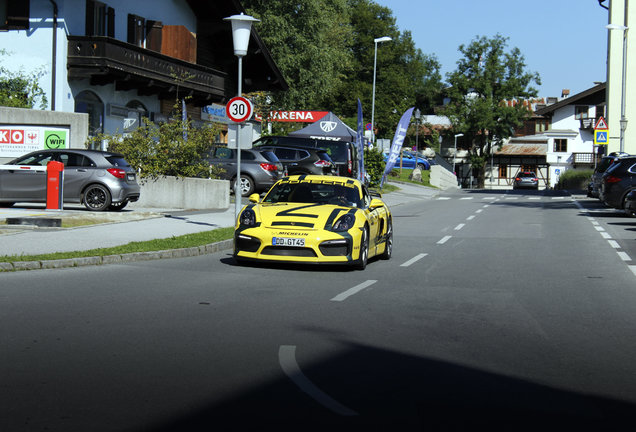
(455, 152)
(375, 61)
(623, 121)
(241, 30)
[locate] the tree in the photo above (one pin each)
(19, 89)
(486, 79)
(308, 40)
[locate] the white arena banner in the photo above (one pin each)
(17, 140)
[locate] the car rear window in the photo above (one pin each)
(117, 161)
(270, 156)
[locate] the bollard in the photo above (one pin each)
(54, 185)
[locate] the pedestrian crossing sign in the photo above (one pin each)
(601, 124)
(600, 136)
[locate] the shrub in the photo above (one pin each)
(574, 179)
(374, 166)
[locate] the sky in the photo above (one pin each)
(565, 41)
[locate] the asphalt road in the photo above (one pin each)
(499, 311)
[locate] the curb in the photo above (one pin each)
(117, 259)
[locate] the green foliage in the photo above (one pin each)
(487, 77)
(19, 89)
(173, 148)
(574, 179)
(374, 166)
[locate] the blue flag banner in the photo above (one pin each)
(398, 140)
(360, 144)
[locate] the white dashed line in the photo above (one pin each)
(599, 228)
(624, 256)
(479, 211)
(486, 205)
(287, 360)
(413, 260)
(534, 198)
(351, 291)
(606, 235)
(460, 226)
(633, 269)
(595, 223)
(470, 217)
(466, 198)
(443, 198)
(444, 240)
(614, 244)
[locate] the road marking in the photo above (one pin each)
(534, 198)
(460, 226)
(443, 198)
(351, 291)
(559, 198)
(486, 206)
(488, 198)
(466, 198)
(606, 235)
(595, 223)
(478, 211)
(444, 240)
(599, 228)
(591, 219)
(624, 256)
(633, 269)
(511, 198)
(470, 217)
(614, 244)
(287, 360)
(413, 260)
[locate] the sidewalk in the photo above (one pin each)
(133, 224)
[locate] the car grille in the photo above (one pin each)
(335, 248)
(288, 251)
(247, 244)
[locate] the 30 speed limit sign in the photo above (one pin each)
(239, 109)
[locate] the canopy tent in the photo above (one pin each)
(330, 127)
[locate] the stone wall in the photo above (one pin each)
(184, 193)
(442, 178)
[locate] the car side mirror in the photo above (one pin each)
(254, 198)
(375, 203)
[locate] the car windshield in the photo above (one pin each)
(317, 192)
(527, 174)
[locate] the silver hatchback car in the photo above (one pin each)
(99, 180)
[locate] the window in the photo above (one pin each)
(100, 19)
(136, 30)
(581, 112)
(560, 145)
(88, 102)
(541, 125)
(503, 171)
(14, 15)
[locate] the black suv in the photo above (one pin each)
(601, 167)
(342, 153)
(618, 180)
(303, 160)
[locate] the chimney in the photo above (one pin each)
(565, 93)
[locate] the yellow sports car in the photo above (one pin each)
(314, 219)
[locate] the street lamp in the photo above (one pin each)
(375, 61)
(623, 120)
(241, 30)
(455, 153)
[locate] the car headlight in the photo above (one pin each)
(345, 223)
(247, 218)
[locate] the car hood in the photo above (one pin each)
(299, 215)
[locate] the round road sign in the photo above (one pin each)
(239, 109)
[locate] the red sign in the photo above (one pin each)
(11, 136)
(296, 116)
(239, 109)
(601, 124)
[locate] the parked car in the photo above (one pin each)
(303, 160)
(99, 180)
(342, 153)
(410, 161)
(526, 179)
(605, 162)
(630, 203)
(617, 181)
(260, 168)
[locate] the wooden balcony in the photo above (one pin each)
(105, 60)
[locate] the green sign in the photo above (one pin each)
(55, 139)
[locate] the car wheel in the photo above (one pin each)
(421, 166)
(388, 244)
(364, 250)
(97, 197)
(117, 206)
(246, 185)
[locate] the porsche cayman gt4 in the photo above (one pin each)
(314, 219)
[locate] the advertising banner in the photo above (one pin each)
(16, 140)
(398, 140)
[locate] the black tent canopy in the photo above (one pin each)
(330, 127)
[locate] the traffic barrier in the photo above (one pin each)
(54, 185)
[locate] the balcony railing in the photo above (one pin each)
(583, 158)
(106, 60)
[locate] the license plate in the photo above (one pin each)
(288, 241)
(130, 177)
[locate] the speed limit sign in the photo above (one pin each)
(239, 109)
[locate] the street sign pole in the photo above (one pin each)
(239, 110)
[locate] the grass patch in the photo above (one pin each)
(184, 241)
(404, 174)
